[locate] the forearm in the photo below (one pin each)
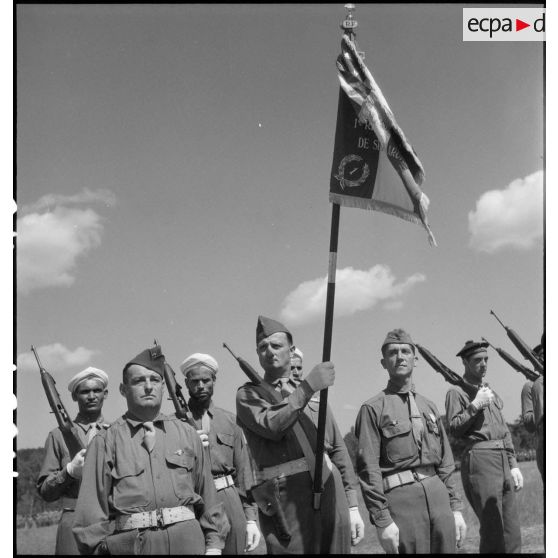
(446, 471)
(56, 484)
(460, 414)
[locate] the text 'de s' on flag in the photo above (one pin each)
(370, 148)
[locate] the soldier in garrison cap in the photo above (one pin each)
(488, 467)
(60, 474)
(281, 432)
(229, 457)
(405, 463)
(147, 488)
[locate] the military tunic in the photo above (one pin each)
(422, 510)
(538, 421)
(55, 483)
(485, 470)
(121, 477)
(527, 407)
(292, 526)
(229, 456)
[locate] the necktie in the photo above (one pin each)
(283, 386)
(92, 432)
(149, 435)
(416, 420)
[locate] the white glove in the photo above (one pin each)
(253, 536)
(483, 398)
(460, 528)
(357, 526)
(204, 438)
(321, 376)
(213, 552)
(517, 479)
(389, 538)
(75, 466)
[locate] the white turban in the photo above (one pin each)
(89, 373)
(298, 353)
(199, 358)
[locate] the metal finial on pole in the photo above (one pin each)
(349, 24)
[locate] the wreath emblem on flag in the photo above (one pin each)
(351, 165)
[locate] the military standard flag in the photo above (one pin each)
(369, 146)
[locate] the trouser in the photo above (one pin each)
(236, 539)
(184, 537)
(297, 528)
(65, 542)
(422, 512)
(489, 489)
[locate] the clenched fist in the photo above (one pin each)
(483, 398)
(321, 376)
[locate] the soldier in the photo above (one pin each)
(146, 487)
(405, 463)
(229, 458)
(537, 395)
(296, 365)
(488, 468)
(60, 474)
(281, 434)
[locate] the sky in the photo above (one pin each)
(173, 167)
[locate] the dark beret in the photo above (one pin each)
(151, 358)
(267, 327)
(398, 336)
(472, 347)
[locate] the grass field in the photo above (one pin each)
(531, 500)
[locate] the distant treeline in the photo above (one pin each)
(29, 462)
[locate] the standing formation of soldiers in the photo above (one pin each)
(151, 483)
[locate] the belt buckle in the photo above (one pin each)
(159, 517)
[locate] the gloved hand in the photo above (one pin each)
(517, 479)
(75, 466)
(389, 538)
(460, 528)
(213, 552)
(357, 526)
(204, 438)
(483, 398)
(321, 376)
(253, 536)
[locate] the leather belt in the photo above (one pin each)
(283, 469)
(408, 476)
(489, 444)
(223, 482)
(156, 518)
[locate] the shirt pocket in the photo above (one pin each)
(180, 468)
(128, 486)
(398, 442)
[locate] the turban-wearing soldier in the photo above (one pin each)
(488, 467)
(405, 463)
(281, 432)
(60, 474)
(229, 457)
(296, 365)
(146, 486)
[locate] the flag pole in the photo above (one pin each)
(347, 25)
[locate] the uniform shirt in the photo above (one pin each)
(121, 477)
(386, 445)
(268, 429)
(54, 481)
(538, 401)
(228, 451)
(527, 407)
(486, 424)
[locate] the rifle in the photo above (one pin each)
(527, 372)
(65, 423)
(175, 391)
(246, 367)
(449, 375)
(521, 346)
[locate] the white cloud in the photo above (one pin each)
(49, 244)
(86, 196)
(512, 217)
(54, 357)
(355, 290)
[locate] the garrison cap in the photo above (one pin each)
(151, 358)
(397, 336)
(195, 360)
(267, 327)
(472, 347)
(89, 373)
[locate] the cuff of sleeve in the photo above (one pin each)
(456, 505)
(251, 513)
(513, 462)
(301, 395)
(381, 519)
(63, 476)
(352, 498)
